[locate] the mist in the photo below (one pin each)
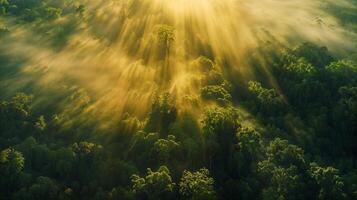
(113, 52)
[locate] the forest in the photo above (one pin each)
(183, 99)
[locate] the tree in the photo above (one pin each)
(329, 181)
(314, 54)
(282, 172)
(141, 147)
(53, 13)
(205, 64)
(219, 128)
(11, 165)
(166, 36)
(219, 120)
(44, 188)
(197, 185)
(20, 104)
(281, 153)
(155, 185)
(11, 162)
(249, 141)
(163, 113)
(62, 161)
(165, 147)
(215, 78)
(296, 68)
(285, 184)
(114, 172)
(15, 115)
(341, 73)
(87, 155)
(217, 93)
(213, 85)
(40, 124)
(4, 4)
(269, 102)
(249, 150)
(86, 148)
(345, 118)
(121, 193)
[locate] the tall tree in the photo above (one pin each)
(197, 185)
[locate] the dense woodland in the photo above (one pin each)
(300, 141)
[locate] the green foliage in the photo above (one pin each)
(205, 64)
(86, 148)
(21, 104)
(165, 147)
(166, 35)
(243, 162)
(342, 73)
(29, 11)
(296, 66)
(44, 188)
(121, 193)
(4, 3)
(268, 96)
(197, 185)
(268, 101)
(281, 153)
(329, 181)
(53, 13)
(249, 142)
(11, 162)
(288, 119)
(285, 183)
(219, 129)
(214, 86)
(282, 171)
(217, 93)
(345, 116)
(155, 185)
(163, 113)
(212, 78)
(40, 124)
(15, 115)
(316, 55)
(219, 120)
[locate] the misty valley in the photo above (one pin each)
(178, 99)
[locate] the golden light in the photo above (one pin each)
(117, 57)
